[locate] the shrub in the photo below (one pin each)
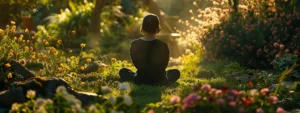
(254, 35)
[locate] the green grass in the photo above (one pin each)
(143, 94)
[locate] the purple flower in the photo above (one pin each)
(205, 87)
(220, 101)
(190, 99)
(259, 110)
(196, 87)
(229, 97)
(175, 99)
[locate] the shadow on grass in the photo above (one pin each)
(144, 94)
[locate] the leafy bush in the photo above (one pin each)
(259, 32)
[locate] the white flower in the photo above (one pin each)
(124, 86)
(254, 92)
(62, 90)
(40, 102)
(127, 100)
(105, 90)
(31, 94)
(92, 108)
(112, 100)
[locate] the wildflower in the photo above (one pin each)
(264, 91)
(89, 60)
(73, 32)
(82, 45)
(230, 97)
(30, 94)
(26, 30)
(250, 84)
(191, 99)
(196, 87)
(217, 92)
(273, 99)
(220, 101)
(82, 68)
(232, 104)
(82, 83)
(280, 110)
(151, 111)
(127, 99)
(175, 99)
(281, 46)
(224, 88)
(124, 86)
(61, 89)
(12, 22)
(205, 87)
(276, 45)
(70, 51)
(253, 92)
(93, 109)
(113, 60)
(59, 64)
(40, 102)
(59, 41)
(15, 106)
(248, 102)
(105, 90)
(9, 75)
(259, 110)
(1, 31)
(112, 100)
(7, 65)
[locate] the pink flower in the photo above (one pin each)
(259, 110)
(241, 110)
(280, 110)
(218, 92)
(205, 87)
(264, 91)
(276, 45)
(273, 99)
(220, 101)
(191, 99)
(281, 46)
(175, 99)
(232, 104)
(151, 111)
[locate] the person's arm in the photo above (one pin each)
(166, 56)
(133, 53)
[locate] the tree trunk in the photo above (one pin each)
(95, 18)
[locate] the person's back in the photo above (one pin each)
(150, 56)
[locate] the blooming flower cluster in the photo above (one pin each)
(208, 99)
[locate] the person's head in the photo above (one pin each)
(150, 25)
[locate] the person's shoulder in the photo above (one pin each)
(161, 42)
(135, 40)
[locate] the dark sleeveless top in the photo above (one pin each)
(151, 58)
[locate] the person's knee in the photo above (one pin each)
(174, 72)
(123, 70)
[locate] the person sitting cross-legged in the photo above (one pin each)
(150, 56)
